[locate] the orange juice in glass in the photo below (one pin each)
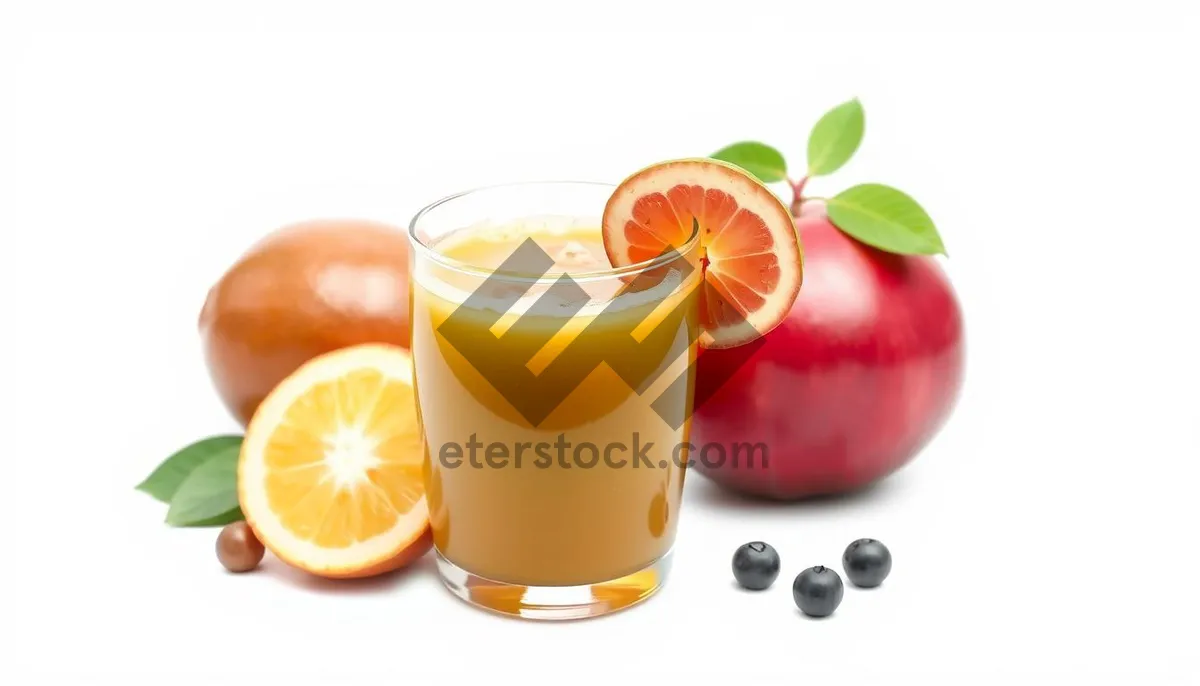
(554, 392)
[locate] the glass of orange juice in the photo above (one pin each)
(554, 392)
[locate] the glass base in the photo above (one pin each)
(554, 602)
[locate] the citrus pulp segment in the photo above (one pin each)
(751, 254)
(330, 474)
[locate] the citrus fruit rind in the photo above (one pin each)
(329, 476)
(750, 253)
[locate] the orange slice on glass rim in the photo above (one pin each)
(330, 474)
(750, 253)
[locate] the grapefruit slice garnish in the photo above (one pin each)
(330, 475)
(750, 252)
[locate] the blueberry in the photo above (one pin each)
(867, 562)
(755, 565)
(817, 591)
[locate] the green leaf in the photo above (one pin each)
(209, 492)
(165, 479)
(234, 515)
(759, 159)
(835, 138)
(885, 218)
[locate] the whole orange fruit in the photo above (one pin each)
(304, 290)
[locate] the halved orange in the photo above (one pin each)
(330, 472)
(750, 252)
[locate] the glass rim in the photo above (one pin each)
(428, 252)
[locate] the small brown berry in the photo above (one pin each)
(238, 549)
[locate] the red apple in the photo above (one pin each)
(864, 371)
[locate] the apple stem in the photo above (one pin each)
(797, 194)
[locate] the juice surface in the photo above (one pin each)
(591, 491)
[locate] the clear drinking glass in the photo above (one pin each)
(554, 393)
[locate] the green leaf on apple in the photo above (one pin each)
(760, 160)
(835, 138)
(885, 218)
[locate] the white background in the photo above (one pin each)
(1049, 530)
